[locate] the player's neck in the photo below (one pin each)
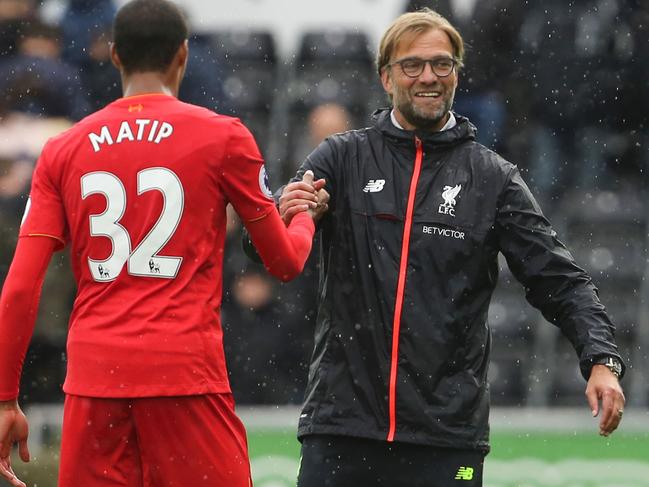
(145, 83)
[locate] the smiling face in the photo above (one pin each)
(423, 102)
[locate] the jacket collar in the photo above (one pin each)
(463, 131)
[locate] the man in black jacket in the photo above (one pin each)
(397, 392)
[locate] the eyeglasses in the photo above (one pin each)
(413, 67)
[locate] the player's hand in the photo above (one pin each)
(321, 194)
(300, 196)
(13, 429)
(606, 399)
(323, 200)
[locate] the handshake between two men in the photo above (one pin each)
(306, 195)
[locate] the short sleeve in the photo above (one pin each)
(44, 213)
(243, 176)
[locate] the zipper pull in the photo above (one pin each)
(419, 146)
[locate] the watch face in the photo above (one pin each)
(614, 365)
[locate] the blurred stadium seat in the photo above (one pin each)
(331, 66)
(250, 77)
(203, 82)
(334, 66)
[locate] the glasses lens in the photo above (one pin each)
(412, 67)
(443, 67)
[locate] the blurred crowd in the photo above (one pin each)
(558, 87)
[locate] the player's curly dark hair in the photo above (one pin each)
(147, 34)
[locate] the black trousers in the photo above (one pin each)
(341, 461)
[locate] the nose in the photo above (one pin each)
(428, 75)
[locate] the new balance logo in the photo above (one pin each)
(374, 186)
(464, 473)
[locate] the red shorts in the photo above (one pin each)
(153, 442)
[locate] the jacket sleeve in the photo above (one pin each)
(554, 283)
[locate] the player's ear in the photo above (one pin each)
(183, 54)
(114, 57)
(179, 64)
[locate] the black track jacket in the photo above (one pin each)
(408, 267)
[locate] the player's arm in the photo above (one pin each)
(283, 250)
(269, 236)
(298, 194)
(18, 310)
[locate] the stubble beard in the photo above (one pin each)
(423, 119)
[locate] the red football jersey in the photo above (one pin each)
(140, 189)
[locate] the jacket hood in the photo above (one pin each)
(463, 131)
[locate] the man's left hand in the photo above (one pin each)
(603, 387)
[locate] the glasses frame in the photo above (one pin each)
(430, 62)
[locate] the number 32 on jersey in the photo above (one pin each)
(144, 259)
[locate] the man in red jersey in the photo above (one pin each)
(139, 191)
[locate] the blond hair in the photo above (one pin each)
(411, 25)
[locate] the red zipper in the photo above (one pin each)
(401, 286)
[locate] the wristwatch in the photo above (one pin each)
(611, 363)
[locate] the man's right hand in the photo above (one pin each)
(304, 195)
(13, 429)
